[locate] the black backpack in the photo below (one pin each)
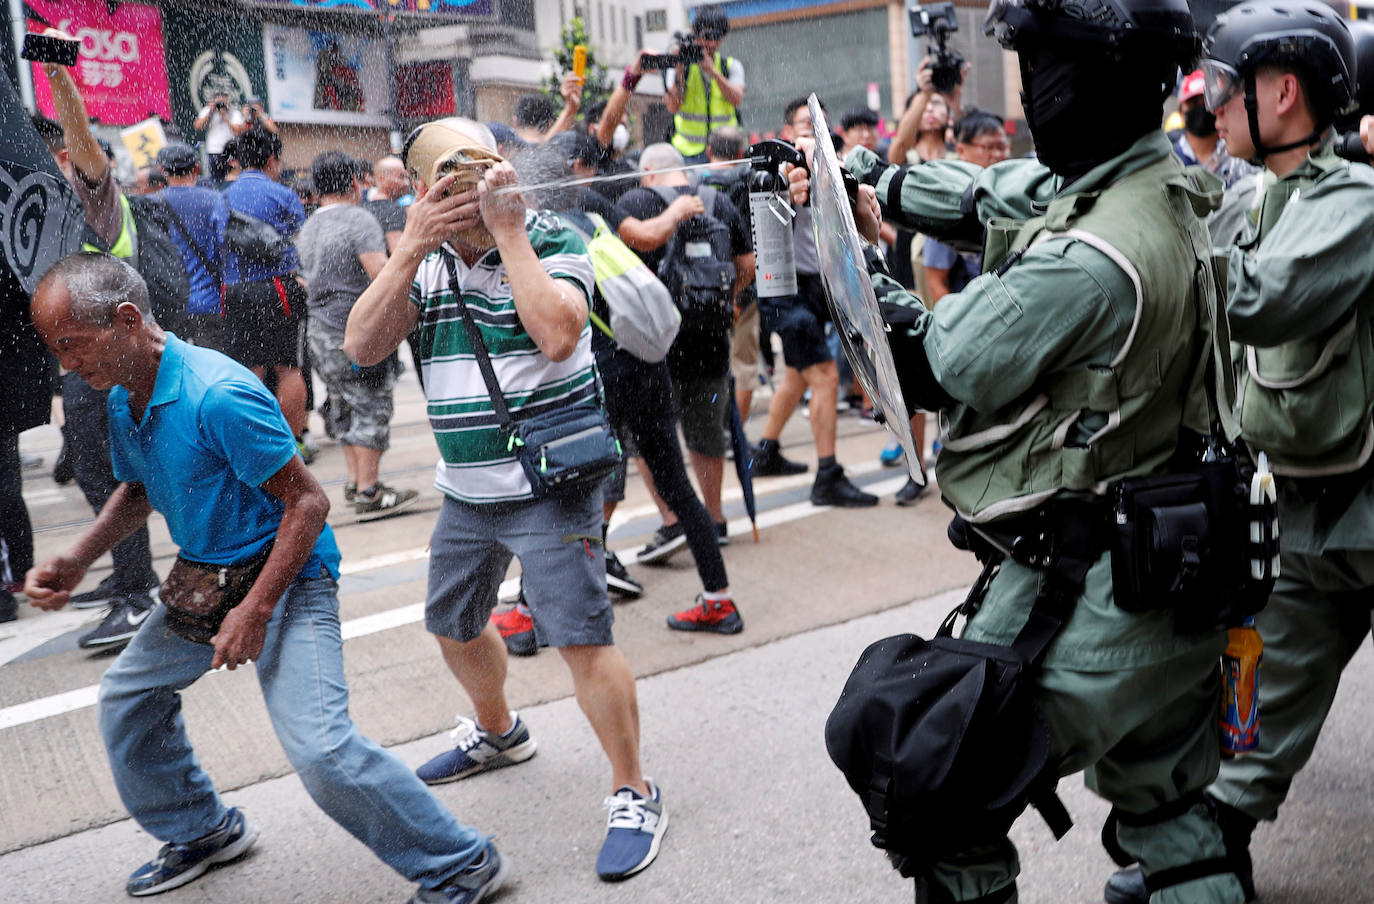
(698, 267)
(158, 260)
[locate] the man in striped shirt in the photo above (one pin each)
(526, 280)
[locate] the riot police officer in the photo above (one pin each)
(1072, 362)
(1301, 301)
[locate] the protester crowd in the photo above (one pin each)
(221, 301)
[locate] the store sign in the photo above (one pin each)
(121, 70)
(324, 77)
(209, 53)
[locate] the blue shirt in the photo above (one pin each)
(210, 436)
(270, 201)
(203, 214)
(962, 266)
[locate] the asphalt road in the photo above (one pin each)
(731, 725)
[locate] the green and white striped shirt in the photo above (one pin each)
(475, 464)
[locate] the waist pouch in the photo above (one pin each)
(1194, 541)
(565, 450)
(198, 595)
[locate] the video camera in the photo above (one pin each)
(689, 51)
(939, 20)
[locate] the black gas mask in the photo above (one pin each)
(1083, 111)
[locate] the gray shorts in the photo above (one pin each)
(562, 568)
(361, 399)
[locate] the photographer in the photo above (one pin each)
(705, 93)
(921, 133)
(220, 124)
(255, 114)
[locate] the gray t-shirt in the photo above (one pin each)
(329, 244)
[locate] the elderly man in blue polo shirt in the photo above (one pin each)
(198, 438)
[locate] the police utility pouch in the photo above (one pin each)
(198, 595)
(1196, 541)
(562, 451)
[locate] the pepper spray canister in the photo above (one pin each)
(771, 215)
(1239, 721)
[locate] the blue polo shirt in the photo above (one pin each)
(270, 201)
(211, 435)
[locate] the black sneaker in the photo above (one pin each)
(62, 473)
(667, 540)
(770, 463)
(833, 488)
(909, 493)
(125, 617)
(9, 606)
(177, 864)
(618, 579)
(105, 593)
(723, 534)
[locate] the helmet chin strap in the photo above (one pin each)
(1252, 114)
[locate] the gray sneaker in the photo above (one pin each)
(383, 502)
(478, 750)
(475, 883)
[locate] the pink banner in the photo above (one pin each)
(122, 73)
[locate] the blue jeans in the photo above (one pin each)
(361, 786)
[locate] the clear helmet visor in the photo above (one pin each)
(1219, 84)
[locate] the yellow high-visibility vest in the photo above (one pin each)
(702, 113)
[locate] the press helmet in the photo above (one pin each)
(1307, 37)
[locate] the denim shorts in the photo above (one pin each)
(562, 568)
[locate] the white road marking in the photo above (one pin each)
(81, 698)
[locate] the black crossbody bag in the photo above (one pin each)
(563, 451)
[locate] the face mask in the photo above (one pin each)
(1083, 112)
(1199, 121)
(620, 140)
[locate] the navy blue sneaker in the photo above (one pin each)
(478, 880)
(177, 864)
(478, 750)
(634, 831)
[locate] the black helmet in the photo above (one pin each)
(1308, 36)
(1161, 30)
(1362, 33)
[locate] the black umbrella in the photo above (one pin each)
(41, 219)
(744, 461)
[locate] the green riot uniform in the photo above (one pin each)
(1073, 362)
(1302, 311)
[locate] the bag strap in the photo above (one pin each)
(479, 348)
(1062, 539)
(186, 234)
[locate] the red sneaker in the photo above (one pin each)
(517, 630)
(719, 616)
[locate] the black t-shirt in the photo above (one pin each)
(645, 204)
(694, 353)
(597, 203)
(391, 215)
